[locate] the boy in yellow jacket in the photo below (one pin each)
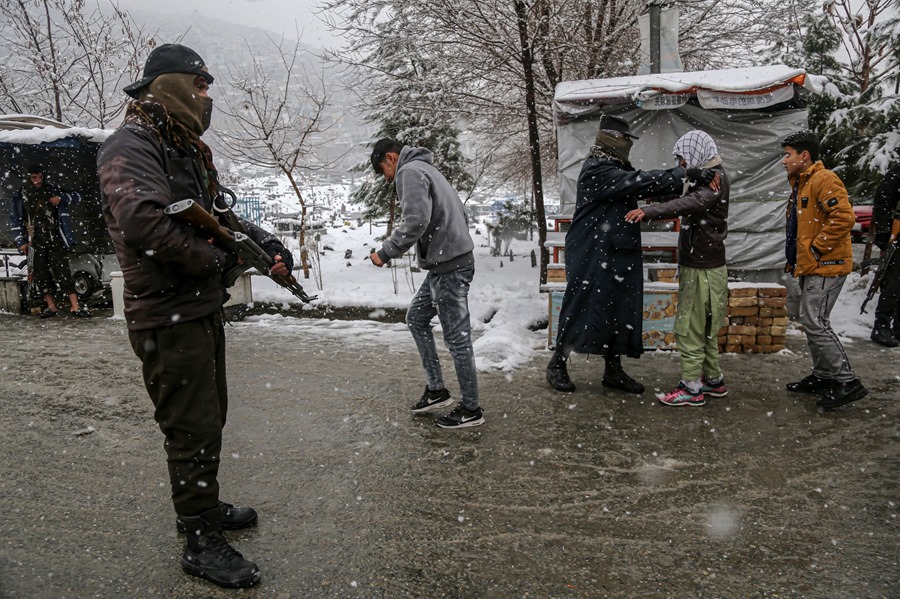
(819, 254)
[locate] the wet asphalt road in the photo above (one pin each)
(591, 494)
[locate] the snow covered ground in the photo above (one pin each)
(504, 298)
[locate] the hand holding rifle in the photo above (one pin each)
(887, 258)
(249, 253)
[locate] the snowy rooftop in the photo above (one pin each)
(33, 130)
(745, 80)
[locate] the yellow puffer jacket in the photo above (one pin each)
(824, 220)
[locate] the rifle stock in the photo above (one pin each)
(193, 215)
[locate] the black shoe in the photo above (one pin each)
(48, 313)
(620, 380)
(461, 418)
(558, 374)
(882, 335)
(843, 393)
(81, 313)
(558, 377)
(432, 400)
(614, 376)
(810, 384)
(233, 518)
(208, 555)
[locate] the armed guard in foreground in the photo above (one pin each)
(174, 292)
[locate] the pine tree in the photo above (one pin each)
(441, 138)
(397, 90)
(858, 117)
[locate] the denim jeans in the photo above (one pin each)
(447, 296)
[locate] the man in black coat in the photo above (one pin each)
(885, 218)
(602, 309)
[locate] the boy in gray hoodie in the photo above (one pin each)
(433, 219)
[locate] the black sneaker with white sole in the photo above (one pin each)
(461, 418)
(432, 400)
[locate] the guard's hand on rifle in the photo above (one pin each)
(279, 254)
(373, 256)
(895, 231)
(279, 268)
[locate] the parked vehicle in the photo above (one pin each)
(862, 209)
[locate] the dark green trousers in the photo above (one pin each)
(50, 267)
(184, 372)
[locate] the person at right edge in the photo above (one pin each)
(174, 293)
(819, 255)
(886, 222)
(602, 308)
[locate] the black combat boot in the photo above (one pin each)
(615, 377)
(208, 555)
(233, 518)
(557, 375)
(882, 333)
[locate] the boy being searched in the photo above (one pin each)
(703, 277)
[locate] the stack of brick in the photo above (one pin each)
(756, 319)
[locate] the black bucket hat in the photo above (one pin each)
(169, 58)
(614, 123)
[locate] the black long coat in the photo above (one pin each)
(601, 312)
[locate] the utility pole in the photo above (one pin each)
(655, 53)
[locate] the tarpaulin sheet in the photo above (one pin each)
(749, 143)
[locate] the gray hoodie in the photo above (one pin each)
(432, 216)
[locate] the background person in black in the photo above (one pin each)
(174, 293)
(885, 218)
(40, 220)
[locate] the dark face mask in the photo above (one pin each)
(618, 147)
(207, 114)
(182, 100)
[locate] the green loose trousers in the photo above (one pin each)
(702, 296)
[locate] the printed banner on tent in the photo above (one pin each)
(663, 101)
(712, 100)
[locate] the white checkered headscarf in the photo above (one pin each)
(696, 147)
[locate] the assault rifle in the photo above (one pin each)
(192, 214)
(887, 258)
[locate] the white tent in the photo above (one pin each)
(747, 111)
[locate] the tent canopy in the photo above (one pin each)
(746, 111)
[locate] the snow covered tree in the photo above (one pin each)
(857, 46)
(276, 115)
(64, 62)
(499, 63)
(441, 138)
(393, 92)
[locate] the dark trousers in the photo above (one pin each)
(888, 309)
(50, 267)
(184, 372)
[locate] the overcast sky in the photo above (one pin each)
(280, 16)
